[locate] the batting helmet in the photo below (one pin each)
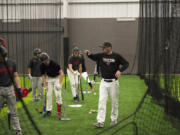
(2, 42)
(36, 51)
(44, 57)
(3, 51)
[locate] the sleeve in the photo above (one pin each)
(30, 64)
(123, 62)
(95, 57)
(14, 67)
(42, 69)
(81, 59)
(70, 60)
(58, 67)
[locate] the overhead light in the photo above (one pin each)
(11, 20)
(125, 19)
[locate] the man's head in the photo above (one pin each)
(44, 57)
(3, 53)
(37, 52)
(76, 51)
(107, 47)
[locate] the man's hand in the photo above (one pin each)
(118, 74)
(87, 52)
(44, 84)
(29, 76)
(76, 73)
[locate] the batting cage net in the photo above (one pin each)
(25, 26)
(159, 65)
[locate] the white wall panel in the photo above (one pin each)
(104, 10)
(30, 12)
(42, 9)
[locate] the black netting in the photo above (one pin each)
(158, 64)
(159, 49)
(24, 26)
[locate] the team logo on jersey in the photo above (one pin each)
(76, 63)
(108, 61)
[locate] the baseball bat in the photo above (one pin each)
(44, 107)
(82, 94)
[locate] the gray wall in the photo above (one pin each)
(90, 33)
(46, 34)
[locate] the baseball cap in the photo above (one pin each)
(105, 44)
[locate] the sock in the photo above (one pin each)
(59, 106)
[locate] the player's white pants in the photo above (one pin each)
(110, 89)
(53, 84)
(74, 81)
(37, 84)
(85, 76)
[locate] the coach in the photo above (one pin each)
(109, 63)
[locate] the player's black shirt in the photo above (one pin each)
(34, 64)
(109, 64)
(5, 79)
(83, 63)
(75, 61)
(51, 70)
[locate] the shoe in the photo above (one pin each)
(99, 125)
(113, 123)
(48, 113)
(18, 132)
(77, 98)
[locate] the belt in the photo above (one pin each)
(109, 80)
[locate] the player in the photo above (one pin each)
(34, 74)
(74, 72)
(52, 74)
(109, 63)
(84, 72)
(8, 70)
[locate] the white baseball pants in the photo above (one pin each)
(110, 89)
(53, 84)
(74, 81)
(37, 84)
(85, 76)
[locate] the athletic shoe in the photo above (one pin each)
(77, 98)
(18, 132)
(113, 123)
(99, 125)
(48, 113)
(92, 89)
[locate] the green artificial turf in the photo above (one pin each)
(131, 91)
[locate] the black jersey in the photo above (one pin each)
(5, 79)
(109, 64)
(75, 61)
(52, 70)
(34, 64)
